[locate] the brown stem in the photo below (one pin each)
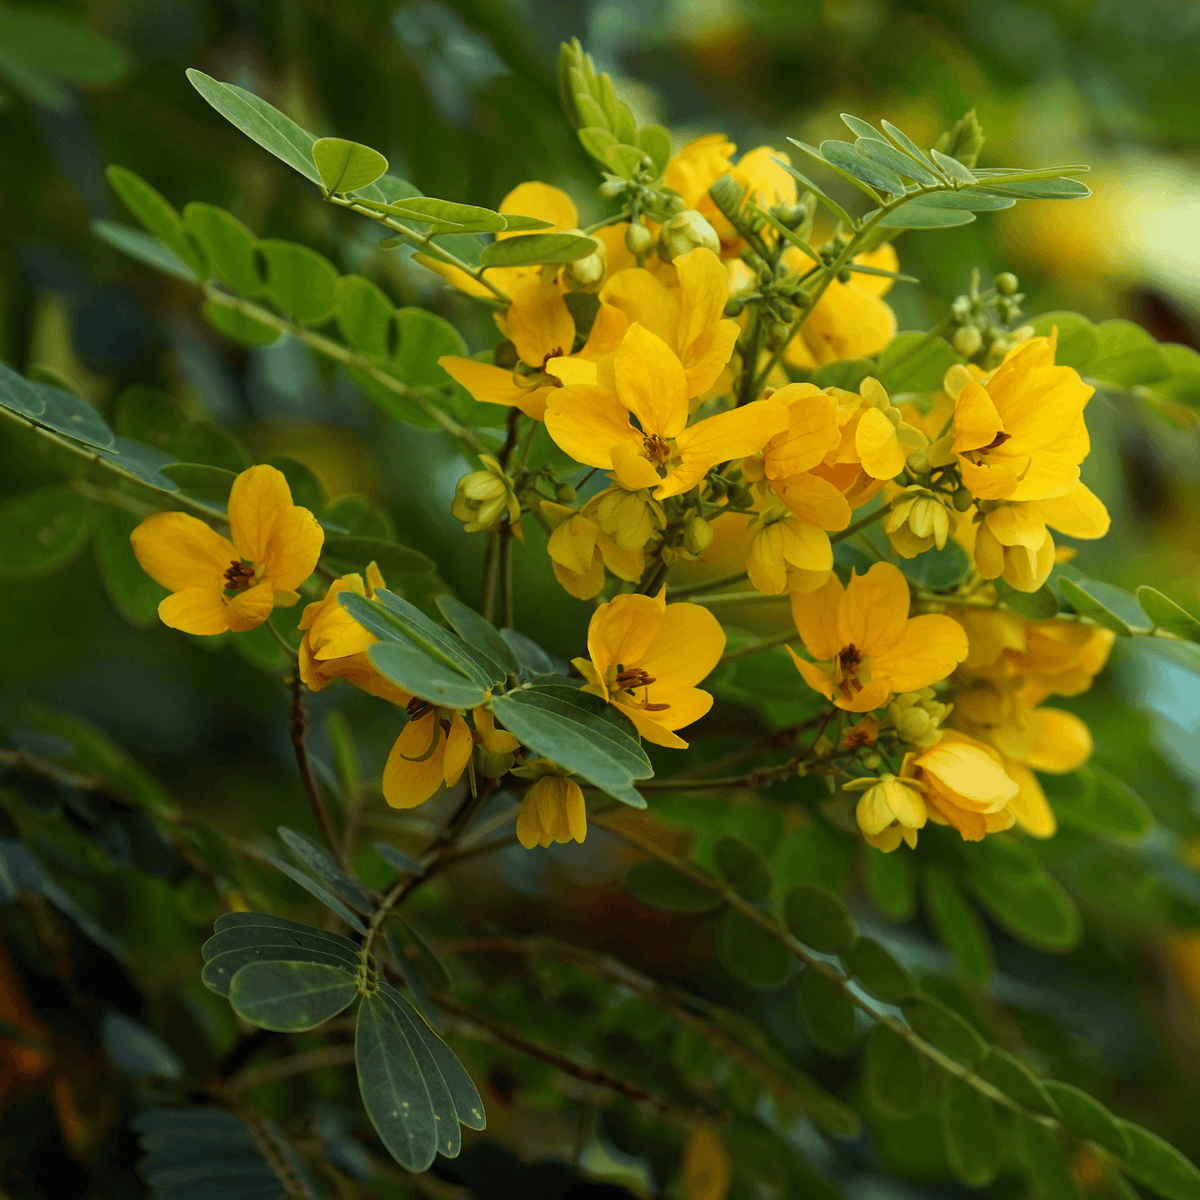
(297, 727)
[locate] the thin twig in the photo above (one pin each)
(297, 727)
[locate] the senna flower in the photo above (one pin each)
(593, 423)
(552, 811)
(889, 811)
(579, 551)
(965, 785)
(1019, 432)
(865, 645)
(334, 645)
(646, 657)
(850, 320)
(220, 584)
(433, 749)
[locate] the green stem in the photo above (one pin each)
(692, 588)
(935, 333)
(506, 576)
(491, 566)
(860, 525)
(349, 358)
(779, 639)
(738, 598)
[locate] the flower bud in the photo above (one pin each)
(482, 499)
(1007, 283)
(638, 239)
(697, 536)
(968, 340)
(586, 274)
(505, 355)
(686, 231)
(778, 335)
(674, 204)
(610, 189)
(919, 520)
(941, 452)
(734, 306)
(564, 493)
(963, 499)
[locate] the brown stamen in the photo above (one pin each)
(635, 677)
(996, 442)
(238, 577)
(657, 450)
(849, 659)
(417, 708)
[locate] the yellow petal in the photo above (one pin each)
(883, 258)
(486, 383)
(877, 446)
(804, 545)
(708, 355)
(816, 618)
(1017, 525)
(632, 468)
(874, 611)
(703, 290)
(765, 563)
(622, 630)
(812, 431)
(766, 179)
(539, 322)
(643, 299)
(293, 549)
(1078, 514)
(1062, 742)
(1030, 806)
(409, 778)
(586, 422)
(458, 750)
(688, 644)
(179, 551)
(652, 384)
(540, 200)
(816, 679)
(926, 652)
(529, 823)
(848, 323)
(976, 421)
(249, 609)
(573, 544)
(732, 434)
(815, 499)
(257, 499)
(966, 769)
(199, 610)
(575, 809)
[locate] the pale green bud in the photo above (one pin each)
(968, 341)
(638, 239)
(686, 231)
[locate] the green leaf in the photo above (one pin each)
(911, 148)
(291, 997)
(1086, 605)
(209, 444)
(397, 859)
(1036, 909)
(158, 216)
(813, 854)
(896, 1073)
(319, 890)
(364, 316)
(424, 338)
(958, 926)
(147, 414)
(530, 249)
(477, 632)
(1078, 339)
(347, 166)
(936, 569)
(1037, 189)
(440, 643)
(829, 1012)
(41, 531)
(1086, 1116)
(580, 732)
(751, 954)
(891, 883)
(443, 216)
(229, 245)
(1127, 355)
(969, 1132)
(238, 326)
(219, 971)
(1016, 1081)
(878, 972)
(388, 555)
(973, 200)
(67, 413)
(405, 664)
(1044, 1158)
(820, 920)
(303, 282)
(656, 885)
(846, 374)
(913, 364)
(142, 462)
(1159, 1165)
(838, 211)
(1095, 801)
(1183, 386)
(201, 480)
(945, 1029)
(1037, 606)
(261, 122)
(518, 224)
(144, 248)
(1166, 614)
(133, 593)
(743, 868)
(306, 489)
(258, 921)
(868, 170)
(817, 156)
(951, 167)
(916, 215)
(320, 864)
(872, 146)
(361, 517)
(655, 141)
(393, 1090)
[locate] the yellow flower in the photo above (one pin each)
(889, 811)
(965, 785)
(919, 520)
(1019, 433)
(690, 319)
(483, 499)
(218, 584)
(794, 539)
(580, 550)
(1061, 658)
(873, 431)
(552, 811)
(1012, 541)
(334, 645)
(865, 645)
(646, 657)
(433, 749)
(592, 423)
(851, 319)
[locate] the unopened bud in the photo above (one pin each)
(564, 493)
(918, 462)
(686, 231)
(778, 335)
(1007, 283)
(963, 499)
(734, 306)
(638, 239)
(968, 341)
(697, 536)
(505, 355)
(610, 189)
(496, 766)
